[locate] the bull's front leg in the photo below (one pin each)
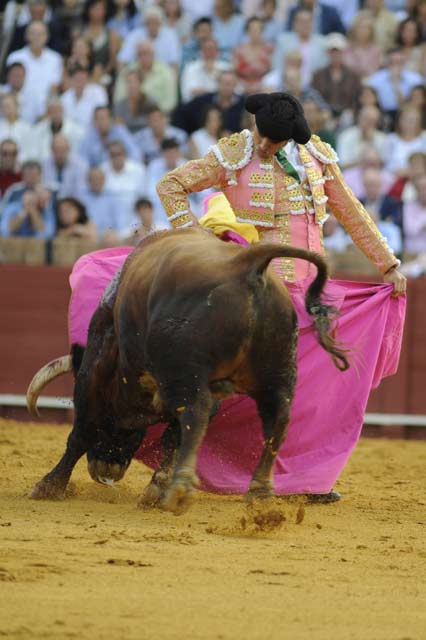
(53, 485)
(193, 421)
(155, 490)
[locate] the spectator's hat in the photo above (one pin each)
(279, 116)
(336, 41)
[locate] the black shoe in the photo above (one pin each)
(324, 498)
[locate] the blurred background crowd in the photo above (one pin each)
(99, 98)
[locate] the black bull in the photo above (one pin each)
(190, 319)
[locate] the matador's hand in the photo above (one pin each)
(398, 280)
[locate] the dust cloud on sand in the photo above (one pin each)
(95, 567)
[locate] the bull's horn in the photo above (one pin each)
(51, 370)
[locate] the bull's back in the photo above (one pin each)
(175, 296)
(183, 293)
(173, 263)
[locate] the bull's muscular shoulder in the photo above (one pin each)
(321, 150)
(235, 151)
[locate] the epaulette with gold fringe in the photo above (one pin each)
(235, 151)
(321, 150)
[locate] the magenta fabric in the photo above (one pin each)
(328, 408)
(89, 277)
(232, 236)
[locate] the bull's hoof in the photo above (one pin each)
(179, 497)
(259, 491)
(151, 496)
(48, 490)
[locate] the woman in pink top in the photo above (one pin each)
(362, 55)
(414, 219)
(252, 59)
(409, 39)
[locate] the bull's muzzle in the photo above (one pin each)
(106, 472)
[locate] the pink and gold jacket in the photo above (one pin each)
(260, 192)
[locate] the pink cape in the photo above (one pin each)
(328, 408)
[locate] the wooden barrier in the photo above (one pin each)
(30, 251)
(33, 330)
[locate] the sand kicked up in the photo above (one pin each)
(96, 567)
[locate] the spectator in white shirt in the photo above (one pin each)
(196, 9)
(272, 14)
(132, 110)
(101, 208)
(150, 138)
(352, 142)
(43, 65)
(384, 210)
(175, 18)
(310, 45)
(29, 105)
(158, 80)
(228, 27)
(82, 98)
(354, 177)
(164, 39)
(201, 140)
(19, 14)
(202, 75)
(407, 139)
(63, 172)
(55, 122)
(393, 84)
(94, 146)
(201, 29)
(171, 157)
(125, 179)
(14, 128)
(414, 216)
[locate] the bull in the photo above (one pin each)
(188, 321)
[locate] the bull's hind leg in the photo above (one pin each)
(161, 478)
(273, 403)
(274, 411)
(193, 424)
(53, 485)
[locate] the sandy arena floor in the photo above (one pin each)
(94, 566)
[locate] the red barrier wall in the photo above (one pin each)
(33, 330)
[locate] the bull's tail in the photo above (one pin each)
(257, 258)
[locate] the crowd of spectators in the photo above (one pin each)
(99, 98)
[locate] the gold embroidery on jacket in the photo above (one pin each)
(283, 267)
(262, 199)
(259, 180)
(261, 218)
(316, 185)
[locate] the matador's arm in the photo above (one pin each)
(192, 176)
(350, 212)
